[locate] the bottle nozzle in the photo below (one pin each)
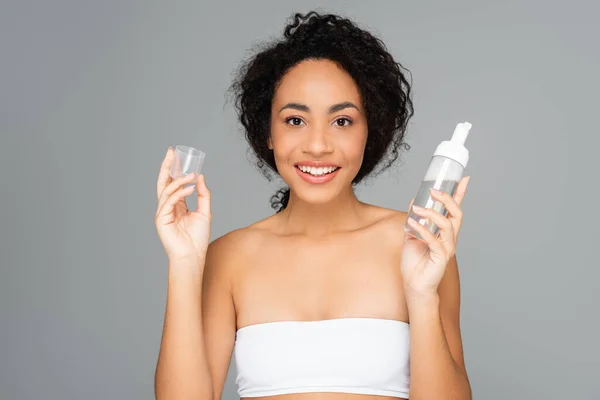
(461, 132)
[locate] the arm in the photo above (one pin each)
(218, 311)
(199, 331)
(437, 366)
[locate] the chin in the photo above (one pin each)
(318, 194)
(316, 197)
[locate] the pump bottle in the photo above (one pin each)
(445, 171)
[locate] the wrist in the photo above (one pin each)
(192, 257)
(423, 303)
(186, 265)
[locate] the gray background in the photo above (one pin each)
(92, 93)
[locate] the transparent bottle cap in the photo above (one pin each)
(187, 160)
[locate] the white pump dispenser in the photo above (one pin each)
(454, 148)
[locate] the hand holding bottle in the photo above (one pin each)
(185, 234)
(434, 216)
(424, 260)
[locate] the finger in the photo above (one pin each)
(163, 176)
(449, 203)
(455, 213)
(434, 216)
(203, 196)
(165, 213)
(461, 190)
(446, 235)
(411, 203)
(174, 186)
(436, 247)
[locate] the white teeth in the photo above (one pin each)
(317, 171)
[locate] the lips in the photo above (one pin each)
(317, 175)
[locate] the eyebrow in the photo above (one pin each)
(332, 109)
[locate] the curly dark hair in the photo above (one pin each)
(385, 91)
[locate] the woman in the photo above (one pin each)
(327, 298)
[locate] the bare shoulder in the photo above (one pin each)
(229, 250)
(388, 221)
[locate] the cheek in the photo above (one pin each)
(281, 145)
(355, 150)
(283, 148)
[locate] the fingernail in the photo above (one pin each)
(418, 208)
(435, 191)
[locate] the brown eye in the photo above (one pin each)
(294, 121)
(343, 122)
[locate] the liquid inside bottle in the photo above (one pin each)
(424, 199)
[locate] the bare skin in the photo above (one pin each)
(349, 273)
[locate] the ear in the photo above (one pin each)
(270, 143)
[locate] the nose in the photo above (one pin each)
(317, 142)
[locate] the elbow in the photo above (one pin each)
(458, 388)
(467, 393)
(174, 391)
(465, 389)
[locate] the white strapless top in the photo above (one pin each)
(347, 355)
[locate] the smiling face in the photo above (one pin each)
(318, 130)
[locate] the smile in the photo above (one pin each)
(316, 171)
(317, 174)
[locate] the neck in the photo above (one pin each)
(317, 220)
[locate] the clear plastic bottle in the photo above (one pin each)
(445, 171)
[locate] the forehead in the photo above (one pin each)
(317, 83)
